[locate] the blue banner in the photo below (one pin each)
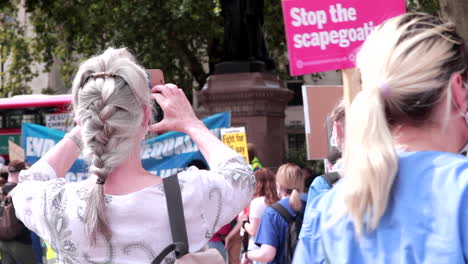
(164, 155)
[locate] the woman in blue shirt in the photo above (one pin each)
(404, 193)
(273, 227)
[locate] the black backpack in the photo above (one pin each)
(294, 228)
(10, 226)
(331, 178)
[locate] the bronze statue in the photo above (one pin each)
(243, 36)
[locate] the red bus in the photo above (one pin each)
(34, 108)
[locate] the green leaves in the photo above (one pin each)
(171, 35)
(184, 38)
(428, 6)
(18, 53)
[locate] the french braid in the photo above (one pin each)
(110, 92)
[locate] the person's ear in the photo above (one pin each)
(459, 92)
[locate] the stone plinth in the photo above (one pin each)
(257, 102)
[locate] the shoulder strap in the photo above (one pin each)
(7, 187)
(331, 177)
(5, 198)
(166, 251)
(175, 211)
(283, 212)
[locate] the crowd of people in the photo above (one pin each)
(397, 194)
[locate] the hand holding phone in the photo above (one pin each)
(178, 112)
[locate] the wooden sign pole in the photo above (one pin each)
(351, 85)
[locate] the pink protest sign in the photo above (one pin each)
(326, 35)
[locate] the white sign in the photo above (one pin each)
(62, 122)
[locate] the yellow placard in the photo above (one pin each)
(50, 253)
(236, 138)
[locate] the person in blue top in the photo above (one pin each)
(273, 227)
(338, 116)
(322, 183)
(403, 197)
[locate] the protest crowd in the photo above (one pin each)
(394, 190)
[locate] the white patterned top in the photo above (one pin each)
(53, 208)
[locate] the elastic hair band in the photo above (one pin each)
(104, 75)
(384, 89)
(87, 76)
(99, 181)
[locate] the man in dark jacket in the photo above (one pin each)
(19, 250)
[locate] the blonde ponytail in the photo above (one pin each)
(295, 200)
(290, 177)
(370, 161)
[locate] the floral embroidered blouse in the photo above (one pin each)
(54, 208)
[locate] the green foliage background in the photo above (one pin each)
(184, 38)
(17, 52)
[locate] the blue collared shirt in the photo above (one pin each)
(318, 186)
(426, 220)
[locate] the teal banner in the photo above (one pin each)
(164, 155)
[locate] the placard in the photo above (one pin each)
(236, 138)
(319, 101)
(15, 152)
(326, 35)
(164, 155)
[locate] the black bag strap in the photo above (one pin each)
(288, 250)
(5, 190)
(166, 251)
(283, 212)
(7, 187)
(331, 177)
(175, 210)
(3, 203)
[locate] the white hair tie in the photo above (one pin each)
(384, 89)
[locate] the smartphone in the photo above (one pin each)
(155, 77)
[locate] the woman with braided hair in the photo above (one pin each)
(119, 214)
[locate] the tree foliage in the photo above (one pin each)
(171, 35)
(299, 157)
(456, 10)
(17, 52)
(184, 38)
(427, 6)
